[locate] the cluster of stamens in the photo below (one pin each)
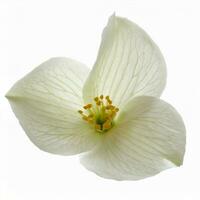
(100, 114)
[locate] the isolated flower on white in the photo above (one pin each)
(111, 114)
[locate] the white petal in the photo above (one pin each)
(128, 64)
(149, 137)
(46, 103)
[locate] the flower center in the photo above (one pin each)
(100, 114)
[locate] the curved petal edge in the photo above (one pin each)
(128, 64)
(149, 137)
(46, 102)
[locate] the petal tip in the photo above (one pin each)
(113, 15)
(9, 96)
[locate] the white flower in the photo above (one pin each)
(124, 131)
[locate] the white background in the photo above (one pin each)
(33, 31)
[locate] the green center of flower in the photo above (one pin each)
(100, 114)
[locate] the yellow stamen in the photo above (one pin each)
(88, 106)
(109, 101)
(97, 127)
(108, 107)
(98, 103)
(112, 107)
(85, 118)
(96, 99)
(80, 111)
(100, 114)
(91, 115)
(107, 98)
(107, 125)
(113, 113)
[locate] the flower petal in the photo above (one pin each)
(46, 102)
(149, 137)
(128, 64)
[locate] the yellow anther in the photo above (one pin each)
(107, 98)
(97, 127)
(96, 99)
(80, 111)
(87, 106)
(100, 114)
(91, 121)
(112, 107)
(91, 116)
(108, 107)
(98, 103)
(106, 125)
(85, 118)
(109, 101)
